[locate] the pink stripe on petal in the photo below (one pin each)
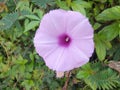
(73, 19)
(45, 50)
(53, 23)
(53, 59)
(45, 44)
(70, 61)
(82, 30)
(86, 46)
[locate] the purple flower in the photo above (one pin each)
(64, 39)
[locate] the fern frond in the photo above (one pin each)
(99, 77)
(8, 20)
(42, 3)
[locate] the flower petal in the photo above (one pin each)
(73, 19)
(53, 23)
(71, 58)
(53, 59)
(83, 30)
(45, 44)
(86, 46)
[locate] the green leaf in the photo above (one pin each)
(8, 21)
(117, 54)
(100, 47)
(24, 13)
(22, 5)
(68, 2)
(79, 8)
(62, 4)
(20, 60)
(32, 17)
(28, 84)
(119, 31)
(102, 78)
(39, 13)
(102, 1)
(31, 25)
(109, 14)
(107, 44)
(83, 74)
(83, 3)
(43, 3)
(111, 31)
(96, 26)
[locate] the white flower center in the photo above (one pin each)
(67, 39)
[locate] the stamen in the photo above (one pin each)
(64, 40)
(67, 39)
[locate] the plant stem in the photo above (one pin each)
(67, 81)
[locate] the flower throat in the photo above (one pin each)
(64, 40)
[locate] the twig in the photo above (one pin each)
(67, 81)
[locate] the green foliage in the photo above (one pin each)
(117, 54)
(8, 20)
(63, 4)
(103, 38)
(77, 5)
(110, 32)
(109, 14)
(42, 3)
(97, 76)
(22, 69)
(80, 6)
(100, 47)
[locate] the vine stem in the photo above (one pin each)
(65, 87)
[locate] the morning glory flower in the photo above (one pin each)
(65, 40)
